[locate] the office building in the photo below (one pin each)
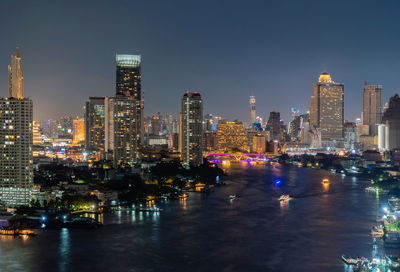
(274, 125)
(191, 129)
(391, 119)
(95, 124)
(16, 140)
(327, 111)
(78, 132)
(128, 84)
(372, 107)
(232, 136)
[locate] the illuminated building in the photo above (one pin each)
(155, 124)
(95, 124)
(191, 129)
(16, 140)
(232, 136)
(16, 77)
(350, 135)
(37, 135)
(372, 107)
(391, 119)
(128, 84)
(326, 110)
(252, 109)
(126, 137)
(78, 132)
(259, 144)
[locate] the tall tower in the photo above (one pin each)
(16, 138)
(16, 77)
(128, 84)
(95, 124)
(372, 107)
(191, 131)
(327, 109)
(252, 109)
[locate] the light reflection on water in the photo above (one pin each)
(256, 232)
(64, 249)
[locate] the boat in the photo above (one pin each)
(284, 197)
(370, 189)
(350, 261)
(16, 232)
(377, 232)
(183, 196)
(232, 197)
(325, 181)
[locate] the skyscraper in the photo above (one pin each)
(16, 140)
(372, 107)
(126, 137)
(274, 125)
(16, 77)
(327, 111)
(252, 109)
(95, 124)
(391, 119)
(78, 132)
(191, 130)
(128, 84)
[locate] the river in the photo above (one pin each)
(211, 233)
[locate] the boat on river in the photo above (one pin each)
(350, 261)
(232, 196)
(16, 232)
(325, 181)
(284, 197)
(377, 232)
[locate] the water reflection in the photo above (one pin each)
(64, 249)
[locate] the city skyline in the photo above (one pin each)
(280, 78)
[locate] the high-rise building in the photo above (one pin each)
(16, 77)
(372, 107)
(95, 124)
(391, 119)
(232, 136)
(16, 140)
(78, 132)
(155, 124)
(37, 134)
(191, 129)
(274, 125)
(252, 109)
(126, 137)
(128, 84)
(327, 110)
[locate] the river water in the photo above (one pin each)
(211, 233)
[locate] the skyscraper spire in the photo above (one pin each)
(16, 77)
(252, 109)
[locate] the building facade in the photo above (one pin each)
(372, 107)
(78, 131)
(191, 129)
(129, 84)
(16, 140)
(327, 110)
(391, 119)
(95, 124)
(232, 136)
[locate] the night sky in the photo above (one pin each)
(225, 50)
